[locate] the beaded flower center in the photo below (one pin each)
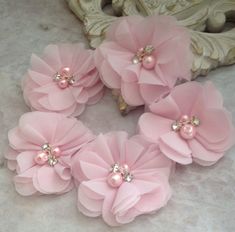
(64, 78)
(118, 174)
(48, 155)
(144, 56)
(186, 126)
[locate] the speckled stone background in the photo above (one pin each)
(203, 198)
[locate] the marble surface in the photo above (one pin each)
(203, 198)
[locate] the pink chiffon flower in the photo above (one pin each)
(144, 57)
(64, 80)
(40, 151)
(190, 124)
(121, 178)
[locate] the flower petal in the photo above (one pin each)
(40, 66)
(214, 126)
(49, 181)
(131, 94)
(92, 205)
(127, 196)
(167, 108)
(24, 184)
(92, 171)
(152, 93)
(175, 148)
(153, 126)
(203, 156)
(25, 161)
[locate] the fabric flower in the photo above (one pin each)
(144, 57)
(190, 124)
(121, 178)
(64, 80)
(40, 151)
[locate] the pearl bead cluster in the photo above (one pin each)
(63, 78)
(186, 126)
(144, 56)
(118, 174)
(48, 155)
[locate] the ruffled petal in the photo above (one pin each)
(186, 95)
(51, 56)
(156, 197)
(167, 108)
(92, 171)
(108, 217)
(153, 126)
(25, 161)
(214, 126)
(203, 156)
(24, 184)
(175, 148)
(135, 149)
(39, 127)
(98, 186)
(110, 78)
(19, 142)
(92, 205)
(152, 93)
(63, 172)
(40, 66)
(131, 94)
(49, 181)
(127, 196)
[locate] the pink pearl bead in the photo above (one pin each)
(41, 158)
(149, 62)
(187, 131)
(184, 118)
(56, 152)
(115, 179)
(65, 71)
(63, 84)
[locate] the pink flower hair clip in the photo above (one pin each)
(64, 80)
(190, 124)
(121, 178)
(144, 57)
(40, 151)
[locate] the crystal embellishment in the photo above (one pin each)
(123, 170)
(64, 78)
(141, 53)
(177, 125)
(48, 155)
(186, 126)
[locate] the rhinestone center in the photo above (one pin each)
(186, 126)
(64, 78)
(142, 53)
(123, 170)
(48, 155)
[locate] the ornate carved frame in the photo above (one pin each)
(212, 42)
